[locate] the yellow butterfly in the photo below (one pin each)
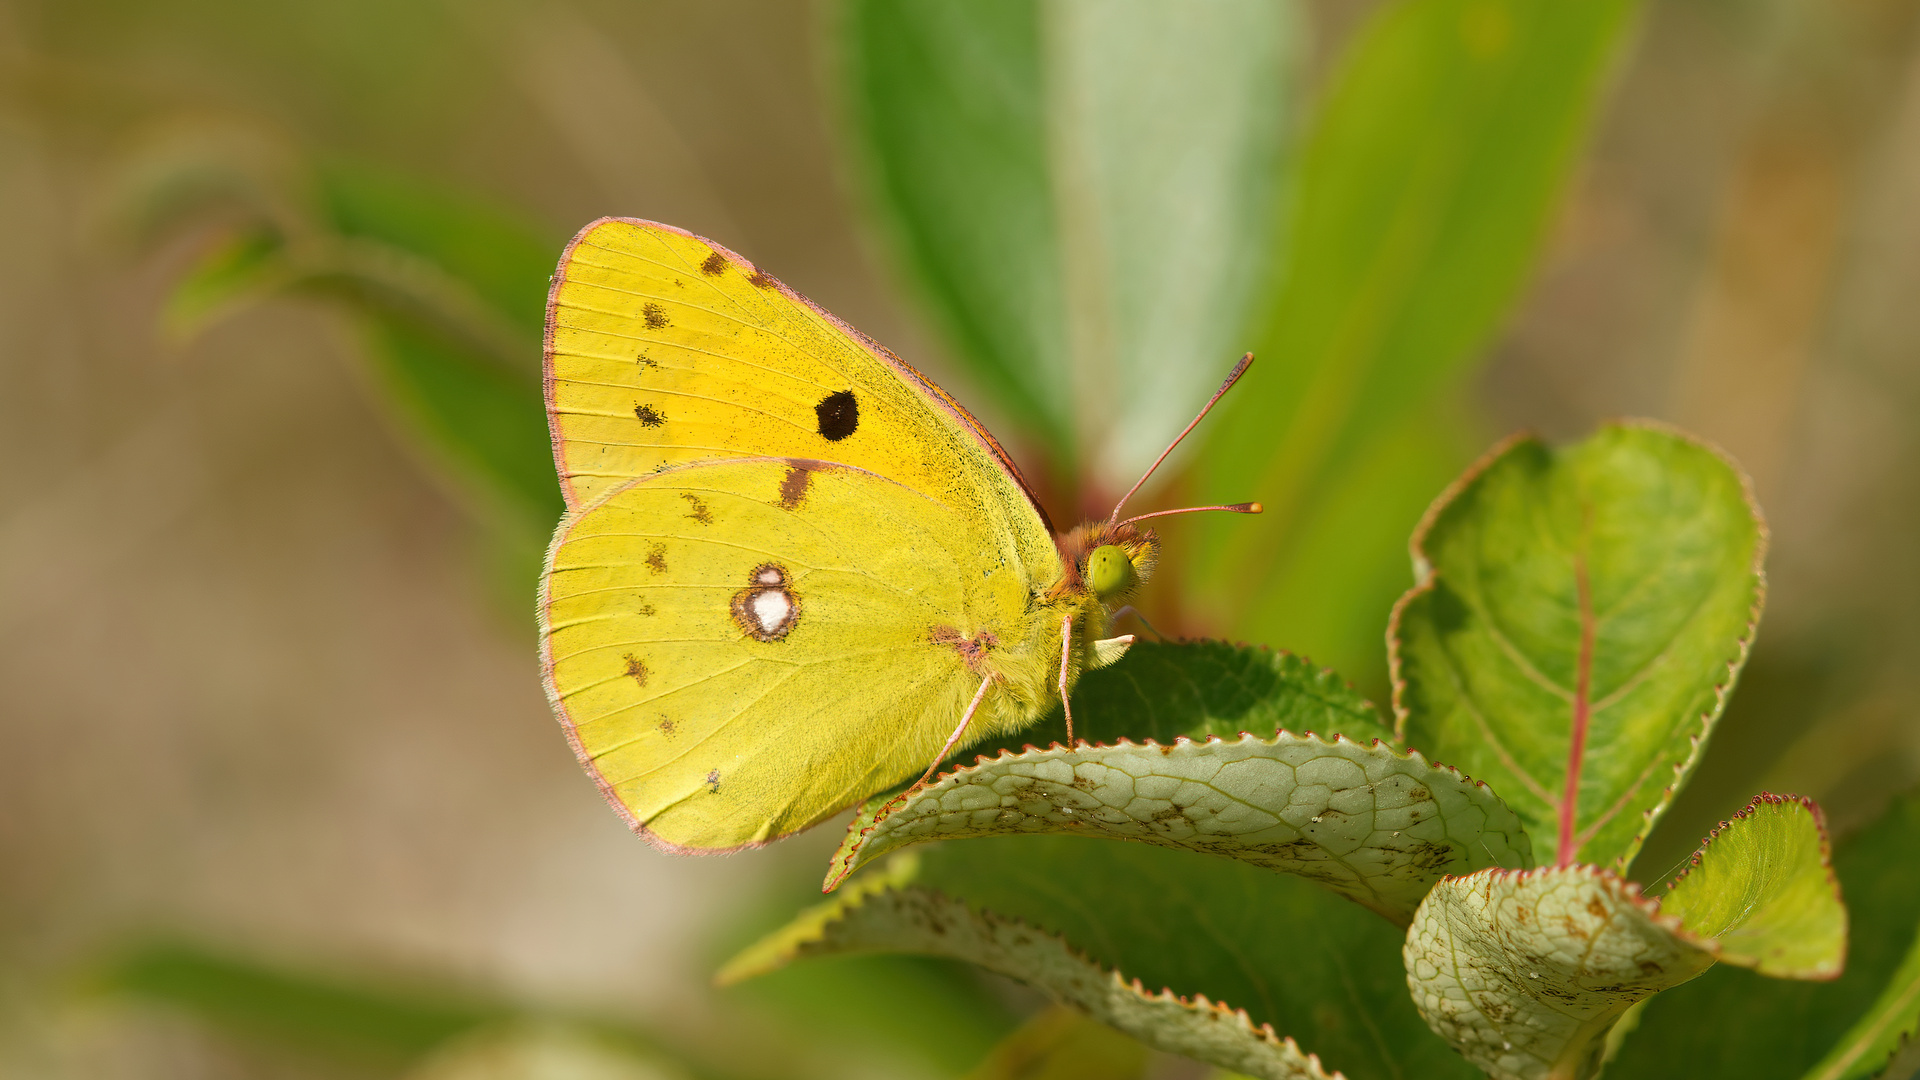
(793, 571)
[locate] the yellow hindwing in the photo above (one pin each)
(741, 648)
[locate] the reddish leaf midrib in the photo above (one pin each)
(1582, 707)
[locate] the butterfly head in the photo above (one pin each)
(1109, 561)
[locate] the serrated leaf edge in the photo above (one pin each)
(844, 858)
(1425, 575)
(1307, 1066)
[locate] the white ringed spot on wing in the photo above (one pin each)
(766, 609)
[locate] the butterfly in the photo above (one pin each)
(793, 572)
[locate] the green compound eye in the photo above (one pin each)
(1109, 571)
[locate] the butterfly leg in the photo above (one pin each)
(1066, 652)
(955, 737)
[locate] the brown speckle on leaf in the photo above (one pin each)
(1596, 909)
(716, 263)
(656, 316)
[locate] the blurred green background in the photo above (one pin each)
(279, 792)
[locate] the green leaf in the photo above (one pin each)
(1167, 690)
(482, 423)
(542, 1051)
(1579, 617)
(340, 1017)
(1082, 191)
(1734, 1022)
(1425, 187)
(235, 272)
(1064, 1044)
(1526, 973)
(1249, 960)
(1373, 825)
(504, 261)
(1761, 887)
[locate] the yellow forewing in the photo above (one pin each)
(665, 348)
(743, 647)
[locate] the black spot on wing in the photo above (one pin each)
(656, 316)
(649, 415)
(838, 414)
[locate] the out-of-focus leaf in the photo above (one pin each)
(240, 269)
(1060, 1043)
(503, 261)
(1105, 926)
(334, 1016)
(1166, 125)
(1425, 187)
(450, 293)
(541, 1051)
(1083, 191)
(1734, 1022)
(481, 421)
(946, 112)
(1579, 618)
(1526, 973)
(1373, 825)
(1761, 887)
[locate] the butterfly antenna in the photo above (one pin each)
(1233, 376)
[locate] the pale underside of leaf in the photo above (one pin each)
(1371, 823)
(1762, 890)
(1526, 973)
(888, 915)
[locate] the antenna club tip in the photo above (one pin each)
(1253, 508)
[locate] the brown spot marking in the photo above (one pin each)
(766, 609)
(973, 650)
(657, 559)
(644, 608)
(1573, 928)
(645, 361)
(1648, 967)
(713, 781)
(716, 264)
(1522, 913)
(636, 669)
(666, 726)
(699, 512)
(760, 280)
(793, 489)
(649, 416)
(1596, 909)
(1419, 794)
(656, 316)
